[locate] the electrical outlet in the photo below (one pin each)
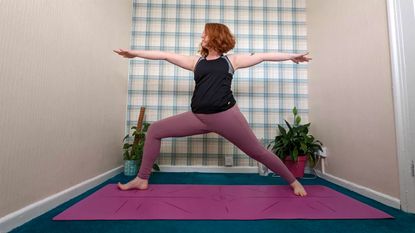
(228, 160)
(323, 153)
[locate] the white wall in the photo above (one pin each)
(62, 94)
(350, 91)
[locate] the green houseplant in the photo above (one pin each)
(133, 152)
(295, 146)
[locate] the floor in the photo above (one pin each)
(403, 222)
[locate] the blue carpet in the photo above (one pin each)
(403, 222)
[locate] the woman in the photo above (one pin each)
(214, 108)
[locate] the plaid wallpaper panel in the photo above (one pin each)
(265, 93)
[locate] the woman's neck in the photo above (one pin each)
(213, 55)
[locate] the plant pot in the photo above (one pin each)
(296, 168)
(130, 167)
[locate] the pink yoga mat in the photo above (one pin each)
(239, 202)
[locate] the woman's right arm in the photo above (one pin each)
(186, 62)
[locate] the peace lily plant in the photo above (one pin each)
(296, 142)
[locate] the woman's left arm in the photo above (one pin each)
(247, 60)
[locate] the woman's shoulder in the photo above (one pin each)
(230, 56)
(197, 59)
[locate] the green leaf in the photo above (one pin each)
(134, 127)
(288, 124)
(282, 130)
(297, 120)
(281, 155)
(146, 126)
(295, 154)
(311, 159)
(126, 155)
(303, 147)
(156, 167)
(295, 111)
(126, 136)
(270, 144)
(285, 141)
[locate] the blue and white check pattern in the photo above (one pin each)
(265, 93)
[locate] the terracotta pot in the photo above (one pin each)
(296, 168)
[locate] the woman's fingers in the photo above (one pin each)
(301, 58)
(118, 51)
(122, 52)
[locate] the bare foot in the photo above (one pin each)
(298, 189)
(136, 183)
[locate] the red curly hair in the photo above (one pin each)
(220, 39)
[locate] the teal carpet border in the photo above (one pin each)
(403, 222)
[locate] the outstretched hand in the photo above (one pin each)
(125, 53)
(301, 58)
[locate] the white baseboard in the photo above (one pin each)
(208, 169)
(367, 192)
(215, 169)
(19, 217)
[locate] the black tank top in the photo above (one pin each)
(213, 79)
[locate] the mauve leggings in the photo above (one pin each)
(230, 124)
